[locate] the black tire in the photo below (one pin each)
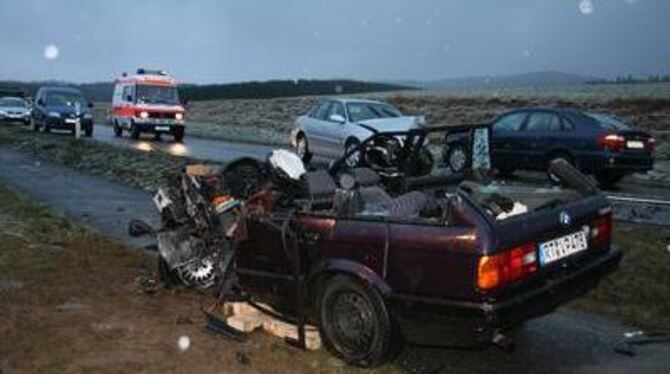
(457, 157)
(179, 135)
(553, 179)
(306, 156)
(118, 130)
(354, 322)
(135, 133)
(608, 179)
(34, 125)
(167, 276)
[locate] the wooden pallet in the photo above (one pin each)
(246, 318)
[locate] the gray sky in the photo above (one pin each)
(233, 40)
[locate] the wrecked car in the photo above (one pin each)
(389, 249)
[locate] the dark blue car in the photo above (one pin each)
(59, 108)
(597, 144)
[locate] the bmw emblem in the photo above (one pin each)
(565, 218)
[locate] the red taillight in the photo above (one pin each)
(601, 232)
(497, 270)
(611, 142)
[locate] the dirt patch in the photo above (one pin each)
(71, 302)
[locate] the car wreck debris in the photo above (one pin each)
(368, 251)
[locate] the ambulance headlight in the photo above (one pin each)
(144, 115)
(179, 116)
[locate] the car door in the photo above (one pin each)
(314, 127)
(507, 141)
(543, 129)
(333, 131)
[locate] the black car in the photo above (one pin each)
(595, 143)
(60, 108)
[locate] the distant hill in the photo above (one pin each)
(540, 78)
(102, 91)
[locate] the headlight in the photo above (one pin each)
(88, 115)
(54, 114)
(179, 116)
(144, 115)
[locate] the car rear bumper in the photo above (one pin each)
(620, 162)
(479, 321)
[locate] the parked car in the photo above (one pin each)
(14, 109)
(596, 143)
(335, 125)
(373, 262)
(59, 108)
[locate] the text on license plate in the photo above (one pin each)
(562, 247)
(162, 128)
(636, 144)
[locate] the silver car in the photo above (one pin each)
(336, 125)
(14, 109)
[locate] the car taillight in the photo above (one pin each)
(611, 142)
(600, 232)
(497, 270)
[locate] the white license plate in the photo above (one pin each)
(162, 128)
(562, 247)
(635, 144)
(70, 121)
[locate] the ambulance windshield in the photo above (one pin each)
(157, 94)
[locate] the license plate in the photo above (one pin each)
(635, 144)
(162, 128)
(562, 247)
(70, 121)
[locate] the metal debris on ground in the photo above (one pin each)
(147, 284)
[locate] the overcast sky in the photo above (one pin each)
(207, 41)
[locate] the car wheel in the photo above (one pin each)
(457, 157)
(178, 135)
(354, 322)
(118, 130)
(607, 179)
(554, 179)
(135, 133)
(355, 159)
(302, 148)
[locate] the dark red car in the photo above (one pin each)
(380, 254)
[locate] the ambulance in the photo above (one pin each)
(147, 102)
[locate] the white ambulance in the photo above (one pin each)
(147, 102)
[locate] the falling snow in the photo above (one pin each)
(586, 6)
(51, 52)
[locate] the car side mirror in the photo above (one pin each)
(129, 97)
(90, 105)
(337, 118)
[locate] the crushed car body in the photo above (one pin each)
(392, 249)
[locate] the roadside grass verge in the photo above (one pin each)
(146, 170)
(639, 292)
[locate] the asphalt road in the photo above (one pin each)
(564, 341)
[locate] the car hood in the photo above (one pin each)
(6, 109)
(391, 124)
